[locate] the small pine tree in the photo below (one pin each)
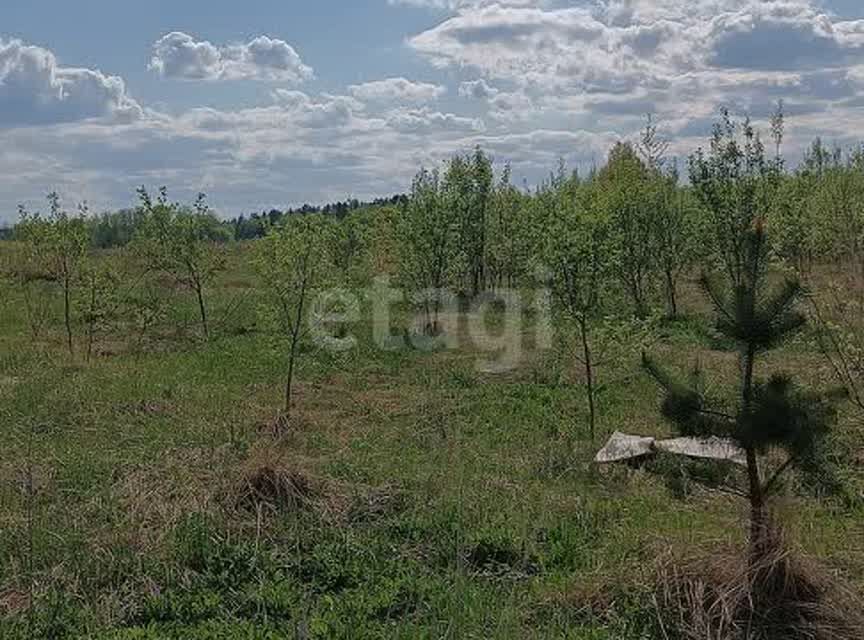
(768, 415)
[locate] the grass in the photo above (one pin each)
(144, 496)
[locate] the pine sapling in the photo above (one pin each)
(772, 416)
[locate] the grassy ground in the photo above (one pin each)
(145, 496)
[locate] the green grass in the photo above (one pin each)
(441, 502)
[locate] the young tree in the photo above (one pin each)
(576, 256)
(475, 227)
(652, 147)
(507, 242)
(466, 188)
(57, 245)
(428, 242)
(23, 269)
(675, 236)
(292, 261)
(627, 195)
(351, 240)
(101, 283)
(673, 233)
(179, 242)
(769, 414)
(734, 183)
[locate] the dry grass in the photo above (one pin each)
(267, 480)
(155, 497)
(784, 596)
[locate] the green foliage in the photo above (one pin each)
(577, 252)
(176, 241)
(352, 240)
(292, 261)
(55, 246)
(625, 192)
(508, 237)
(767, 415)
(428, 240)
(735, 184)
(444, 502)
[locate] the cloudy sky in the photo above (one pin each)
(278, 102)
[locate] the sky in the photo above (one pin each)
(274, 103)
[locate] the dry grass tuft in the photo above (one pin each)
(13, 602)
(270, 481)
(781, 597)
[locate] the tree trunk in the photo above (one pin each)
(91, 322)
(758, 512)
(638, 297)
(671, 294)
(589, 376)
(67, 311)
(290, 382)
(295, 340)
(202, 309)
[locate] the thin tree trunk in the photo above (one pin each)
(634, 281)
(202, 308)
(295, 340)
(589, 376)
(758, 514)
(91, 322)
(67, 311)
(671, 294)
(290, 382)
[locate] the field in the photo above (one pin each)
(151, 493)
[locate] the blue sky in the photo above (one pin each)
(272, 103)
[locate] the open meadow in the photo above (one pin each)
(153, 488)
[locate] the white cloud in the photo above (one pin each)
(35, 89)
(397, 90)
(625, 43)
(327, 111)
(615, 58)
(425, 121)
(542, 80)
(783, 37)
(477, 89)
(179, 55)
(462, 4)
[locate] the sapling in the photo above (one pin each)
(428, 237)
(292, 261)
(178, 242)
(57, 244)
(576, 256)
(767, 416)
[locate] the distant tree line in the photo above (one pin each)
(255, 225)
(115, 229)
